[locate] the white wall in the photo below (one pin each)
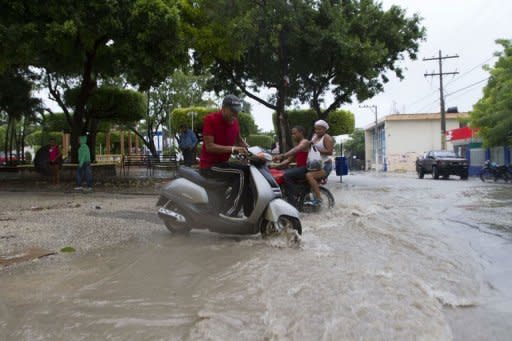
(406, 140)
(368, 149)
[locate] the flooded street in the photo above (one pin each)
(398, 258)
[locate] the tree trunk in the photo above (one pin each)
(107, 143)
(12, 129)
(6, 141)
(150, 143)
(86, 87)
(92, 138)
(282, 121)
(282, 92)
(22, 139)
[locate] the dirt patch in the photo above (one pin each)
(30, 254)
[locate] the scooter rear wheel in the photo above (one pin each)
(327, 201)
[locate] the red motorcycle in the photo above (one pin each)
(305, 195)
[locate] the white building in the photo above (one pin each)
(401, 138)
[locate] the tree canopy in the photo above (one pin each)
(301, 50)
(94, 40)
(355, 146)
(492, 114)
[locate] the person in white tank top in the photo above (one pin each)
(324, 143)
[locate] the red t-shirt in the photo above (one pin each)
(301, 159)
(223, 133)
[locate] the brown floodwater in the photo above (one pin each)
(397, 258)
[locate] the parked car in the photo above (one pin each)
(5, 158)
(442, 163)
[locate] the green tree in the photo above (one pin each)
(18, 106)
(350, 47)
(355, 146)
(301, 49)
(492, 114)
(88, 41)
(340, 121)
(109, 104)
(182, 116)
(183, 89)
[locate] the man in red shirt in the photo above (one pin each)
(221, 138)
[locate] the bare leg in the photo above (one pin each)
(312, 177)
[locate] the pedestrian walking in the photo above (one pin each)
(84, 170)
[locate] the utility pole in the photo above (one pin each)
(375, 144)
(441, 74)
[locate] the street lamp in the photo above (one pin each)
(375, 145)
(192, 114)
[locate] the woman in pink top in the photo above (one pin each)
(54, 160)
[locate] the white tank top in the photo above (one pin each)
(319, 144)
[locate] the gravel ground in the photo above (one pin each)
(56, 217)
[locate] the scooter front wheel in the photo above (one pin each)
(283, 223)
(171, 224)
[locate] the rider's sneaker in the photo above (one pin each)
(314, 203)
(78, 188)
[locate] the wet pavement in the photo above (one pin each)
(397, 258)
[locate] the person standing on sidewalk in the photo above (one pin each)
(54, 160)
(187, 143)
(84, 165)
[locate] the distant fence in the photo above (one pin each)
(110, 158)
(149, 162)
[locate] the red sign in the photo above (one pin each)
(460, 134)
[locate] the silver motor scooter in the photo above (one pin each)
(193, 201)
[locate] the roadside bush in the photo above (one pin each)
(340, 121)
(263, 141)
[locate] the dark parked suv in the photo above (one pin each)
(442, 163)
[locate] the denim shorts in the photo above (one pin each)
(327, 168)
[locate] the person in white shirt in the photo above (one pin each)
(324, 143)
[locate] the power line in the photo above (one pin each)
(466, 87)
(461, 94)
(470, 70)
(421, 99)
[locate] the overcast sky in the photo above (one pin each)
(467, 28)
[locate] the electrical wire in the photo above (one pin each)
(470, 70)
(462, 93)
(467, 87)
(450, 82)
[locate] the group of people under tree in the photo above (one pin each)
(221, 139)
(221, 135)
(83, 171)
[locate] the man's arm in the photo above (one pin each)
(240, 141)
(302, 146)
(212, 147)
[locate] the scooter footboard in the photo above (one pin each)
(279, 207)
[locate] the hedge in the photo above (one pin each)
(264, 141)
(340, 121)
(181, 116)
